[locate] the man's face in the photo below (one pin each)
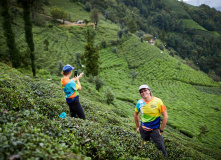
(145, 92)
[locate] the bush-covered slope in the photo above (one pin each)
(31, 128)
(190, 107)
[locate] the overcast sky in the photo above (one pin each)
(211, 3)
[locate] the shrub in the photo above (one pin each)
(98, 82)
(134, 74)
(60, 67)
(91, 78)
(161, 47)
(114, 49)
(78, 59)
(109, 96)
(43, 72)
(120, 34)
(87, 7)
(39, 20)
(103, 44)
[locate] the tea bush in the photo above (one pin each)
(109, 95)
(30, 127)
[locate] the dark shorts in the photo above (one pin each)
(155, 136)
(76, 109)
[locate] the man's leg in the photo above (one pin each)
(158, 140)
(78, 109)
(145, 135)
(71, 107)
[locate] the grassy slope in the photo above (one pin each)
(174, 6)
(180, 87)
(171, 81)
(189, 23)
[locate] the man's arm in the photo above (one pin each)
(164, 121)
(136, 119)
(78, 77)
(78, 82)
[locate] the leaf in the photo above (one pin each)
(41, 144)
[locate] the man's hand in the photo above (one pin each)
(138, 130)
(79, 76)
(164, 121)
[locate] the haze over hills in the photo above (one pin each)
(212, 3)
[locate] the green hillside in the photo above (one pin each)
(189, 23)
(30, 125)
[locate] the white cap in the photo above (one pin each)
(145, 86)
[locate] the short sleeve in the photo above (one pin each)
(161, 106)
(73, 85)
(137, 108)
(77, 86)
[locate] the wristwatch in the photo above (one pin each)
(161, 131)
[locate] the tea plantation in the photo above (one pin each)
(30, 126)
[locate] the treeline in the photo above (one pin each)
(200, 49)
(207, 17)
(9, 12)
(203, 51)
(149, 15)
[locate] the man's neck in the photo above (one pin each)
(66, 76)
(148, 98)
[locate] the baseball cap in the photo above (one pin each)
(143, 86)
(68, 68)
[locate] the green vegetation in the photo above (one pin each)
(30, 126)
(174, 6)
(189, 23)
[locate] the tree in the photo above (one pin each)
(120, 33)
(132, 26)
(109, 95)
(99, 82)
(58, 14)
(134, 74)
(26, 5)
(90, 57)
(13, 51)
(78, 59)
(162, 37)
(87, 6)
(46, 42)
(60, 67)
(94, 16)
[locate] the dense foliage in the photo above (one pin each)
(7, 26)
(31, 128)
(157, 17)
